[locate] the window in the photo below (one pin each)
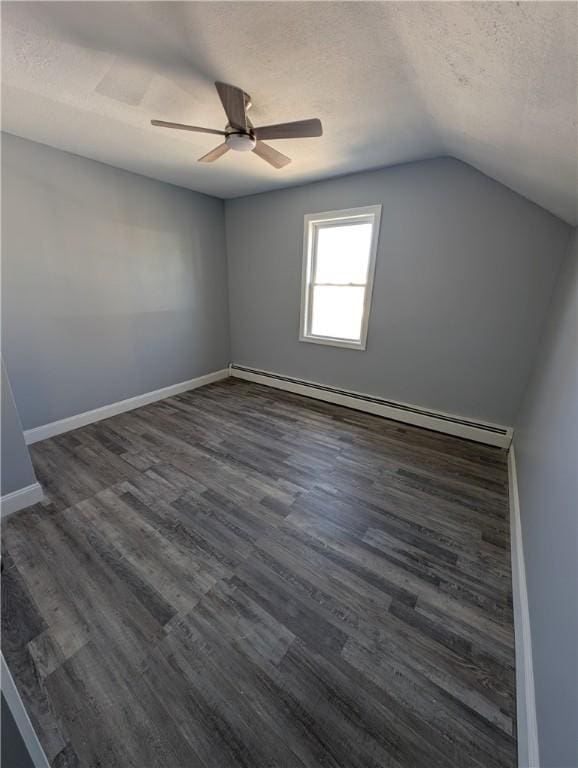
(339, 250)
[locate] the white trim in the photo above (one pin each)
(106, 411)
(20, 499)
(528, 747)
(311, 223)
(438, 421)
(21, 718)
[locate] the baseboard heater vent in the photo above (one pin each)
(491, 434)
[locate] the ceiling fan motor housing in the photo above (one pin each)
(241, 142)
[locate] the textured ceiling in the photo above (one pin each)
(493, 84)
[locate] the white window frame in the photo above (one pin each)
(313, 222)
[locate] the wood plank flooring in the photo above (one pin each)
(238, 576)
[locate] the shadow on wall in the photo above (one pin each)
(13, 753)
(16, 467)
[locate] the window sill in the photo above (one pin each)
(328, 341)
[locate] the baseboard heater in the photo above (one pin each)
(490, 434)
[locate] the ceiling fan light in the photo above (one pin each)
(241, 142)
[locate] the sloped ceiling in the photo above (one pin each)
(493, 84)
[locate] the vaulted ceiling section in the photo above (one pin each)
(491, 83)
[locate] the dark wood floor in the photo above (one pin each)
(243, 577)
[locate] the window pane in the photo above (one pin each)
(343, 253)
(337, 311)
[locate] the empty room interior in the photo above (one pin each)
(289, 447)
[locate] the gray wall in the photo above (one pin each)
(113, 284)
(13, 752)
(464, 271)
(16, 467)
(546, 447)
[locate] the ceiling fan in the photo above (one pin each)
(240, 134)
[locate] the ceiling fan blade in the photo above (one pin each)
(181, 127)
(274, 158)
(214, 154)
(300, 129)
(233, 101)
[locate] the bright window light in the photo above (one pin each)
(338, 265)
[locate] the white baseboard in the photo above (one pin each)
(21, 718)
(528, 748)
(20, 499)
(106, 411)
(447, 423)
